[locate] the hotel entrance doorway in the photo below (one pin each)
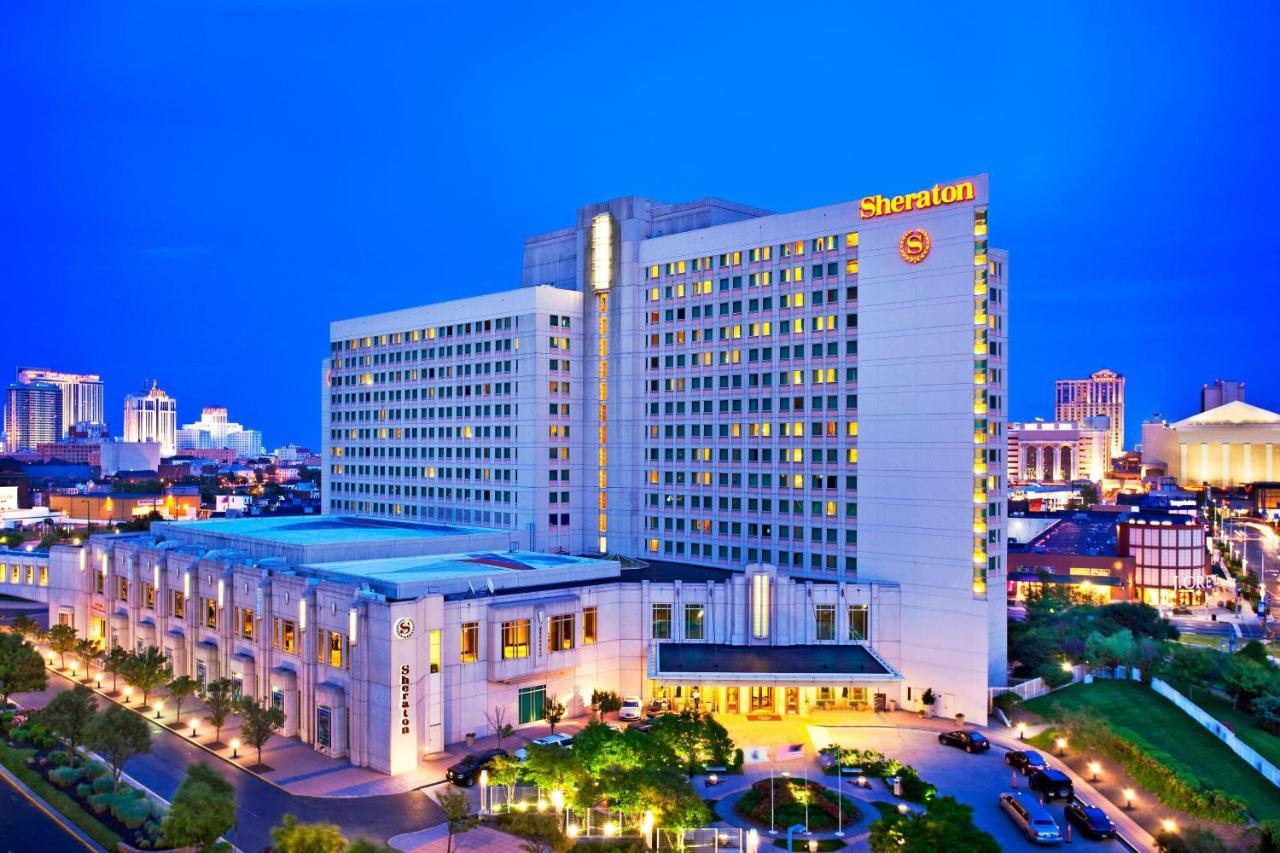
(761, 698)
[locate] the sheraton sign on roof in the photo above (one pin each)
(879, 205)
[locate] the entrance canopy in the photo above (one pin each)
(705, 663)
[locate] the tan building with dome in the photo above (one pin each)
(1230, 445)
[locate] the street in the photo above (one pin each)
(261, 805)
(25, 826)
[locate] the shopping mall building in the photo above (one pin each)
(748, 460)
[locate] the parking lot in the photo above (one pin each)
(975, 779)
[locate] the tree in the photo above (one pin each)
(1256, 652)
(115, 662)
(70, 714)
(258, 722)
(118, 734)
(945, 825)
(203, 809)
(293, 837)
(88, 651)
(181, 689)
(1266, 710)
(220, 701)
(63, 639)
(1244, 679)
(26, 627)
(147, 670)
(457, 814)
(497, 720)
(21, 668)
(606, 702)
(553, 711)
(1110, 650)
(1193, 839)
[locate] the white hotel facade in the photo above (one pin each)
(794, 422)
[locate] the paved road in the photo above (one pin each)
(261, 805)
(25, 827)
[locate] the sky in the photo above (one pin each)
(191, 192)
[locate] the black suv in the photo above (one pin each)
(1028, 761)
(1054, 784)
(466, 771)
(1091, 820)
(968, 741)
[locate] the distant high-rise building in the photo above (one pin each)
(152, 416)
(1101, 394)
(32, 415)
(214, 432)
(1221, 392)
(81, 394)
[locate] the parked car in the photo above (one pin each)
(1054, 784)
(466, 771)
(1031, 818)
(659, 706)
(631, 708)
(968, 741)
(1027, 760)
(1091, 820)
(563, 741)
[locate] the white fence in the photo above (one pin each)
(1034, 687)
(1239, 747)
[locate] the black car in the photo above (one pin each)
(466, 771)
(642, 727)
(1027, 760)
(1054, 784)
(968, 741)
(1091, 820)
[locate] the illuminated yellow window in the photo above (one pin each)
(852, 456)
(797, 481)
(653, 273)
(831, 508)
(653, 546)
(797, 455)
(851, 267)
(851, 239)
(851, 428)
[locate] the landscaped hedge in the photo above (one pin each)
(876, 766)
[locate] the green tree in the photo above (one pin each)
(552, 767)
(553, 711)
(294, 837)
(945, 825)
(598, 748)
(181, 689)
(220, 701)
(606, 702)
(258, 722)
(118, 734)
(1244, 678)
(147, 670)
(1256, 652)
(1110, 650)
(26, 627)
(115, 662)
(457, 814)
(63, 639)
(70, 714)
(1193, 839)
(203, 809)
(88, 651)
(21, 668)
(1266, 710)
(1268, 837)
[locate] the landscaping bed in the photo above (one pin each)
(86, 794)
(788, 804)
(875, 765)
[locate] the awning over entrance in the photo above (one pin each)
(704, 663)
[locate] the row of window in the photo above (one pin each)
(476, 327)
(756, 254)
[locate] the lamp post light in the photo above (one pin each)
(557, 800)
(1022, 730)
(235, 747)
(128, 694)
(195, 725)
(1168, 825)
(773, 830)
(839, 812)
(159, 706)
(902, 808)
(646, 826)
(1094, 768)
(484, 788)
(1062, 746)
(1128, 798)
(753, 841)
(572, 831)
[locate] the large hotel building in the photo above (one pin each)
(704, 452)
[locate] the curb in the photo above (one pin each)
(37, 801)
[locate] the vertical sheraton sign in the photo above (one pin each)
(404, 699)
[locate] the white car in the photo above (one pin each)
(630, 709)
(563, 741)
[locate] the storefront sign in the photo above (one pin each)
(404, 699)
(403, 628)
(914, 245)
(879, 205)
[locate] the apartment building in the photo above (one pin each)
(717, 385)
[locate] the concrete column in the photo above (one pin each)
(1226, 464)
(1268, 463)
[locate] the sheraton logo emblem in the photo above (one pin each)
(914, 245)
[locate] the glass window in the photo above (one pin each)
(289, 636)
(588, 625)
(560, 633)
(662, 621)
(824, 621)
(515, 639)
(211, 612)
(179, 605)
(858, 621)
(469, 642)
(123, 592)
(244, 623)
(694, 621)
(759, 606)
(433, 650)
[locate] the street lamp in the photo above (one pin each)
(128, 692)
(1022, 730)
(1062, 746)
(1094, 768)
(1168, 825)
(235, 747)
(159, 706)
(195, 724)
(1128, 798)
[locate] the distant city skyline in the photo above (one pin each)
(209, 232)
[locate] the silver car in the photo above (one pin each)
(1032, 819)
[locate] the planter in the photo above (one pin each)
(471, 740)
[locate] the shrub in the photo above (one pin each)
(60, 758)
(93, 770)
(21, 734)
(64, 777)
(738, 759)
(84, 789)
(100, 802)
(104, 784)
(132, 811)
(1008, 701)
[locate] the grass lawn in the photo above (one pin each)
(1210, 641)
(1138, 708)
(1267, 744)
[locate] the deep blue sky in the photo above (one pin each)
(192, 191)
